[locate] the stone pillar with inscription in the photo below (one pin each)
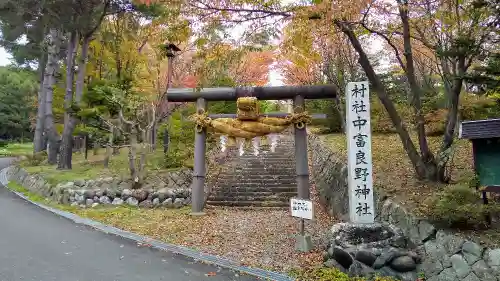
(361, 204)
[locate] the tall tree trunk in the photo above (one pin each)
(38, 142)
(109, 147)
(154, 135)
(144, 151)
(109, 151)
(339, 108)
(67, 135)
(330, 78)
(53, 50)
(69, 126)
(416, 91)
(379, 88)
(132, 156)
(451, 120)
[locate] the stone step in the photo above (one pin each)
(239, 181)
(219, 193)
(267, 155)
(258, 174)
(257, 182)
(238, 189)
(249, 203)
(249, 152)
(267, 161)
(275, 168)
(275, 183)
(234, 198)
(263, 175)
(249, 208)
(257, 169)
(251, 181)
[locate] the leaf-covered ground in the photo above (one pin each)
(260, 238)
(393, 171)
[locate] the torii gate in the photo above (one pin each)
(297, 93)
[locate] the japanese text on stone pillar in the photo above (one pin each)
(361, 205)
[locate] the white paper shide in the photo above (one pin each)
(361, 205)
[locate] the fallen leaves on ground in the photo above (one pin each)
(252, 237)
(394, 173)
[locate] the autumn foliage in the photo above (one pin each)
(253, 69)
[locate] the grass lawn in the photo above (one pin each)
(17, 149)
(93, 167)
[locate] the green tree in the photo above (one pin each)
(18, 89)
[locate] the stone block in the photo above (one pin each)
(425, 231)
(471, 277)
(452, 243)
(448, 274)
(460, 265)
(492, 257)
(483, 271)
(431, 267)
(436, 251)
(403, 264)
(472, 252)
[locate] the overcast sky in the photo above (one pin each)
(4, 57)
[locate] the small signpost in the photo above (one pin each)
(303, 209)
(361, 205)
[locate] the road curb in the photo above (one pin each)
(196, 255)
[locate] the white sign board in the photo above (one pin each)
(301, 208)
(359, 149)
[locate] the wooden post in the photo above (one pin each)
(302, 165)
(303, 241)
(198, 185)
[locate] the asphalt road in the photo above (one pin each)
(40, 246)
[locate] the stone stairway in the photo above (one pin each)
(266, 180)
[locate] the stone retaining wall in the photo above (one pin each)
(330, 177)
(171, 190)
(446, 256)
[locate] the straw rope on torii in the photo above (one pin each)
(249, 124)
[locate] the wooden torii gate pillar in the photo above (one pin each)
(297, 93)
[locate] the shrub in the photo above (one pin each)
(3, 143)
(435, 122)
(178, 157)
(35, 159)
(333, 121)
(461, 207)
(321, 274)
(382, 123)
(474, 107)
(331, 274)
